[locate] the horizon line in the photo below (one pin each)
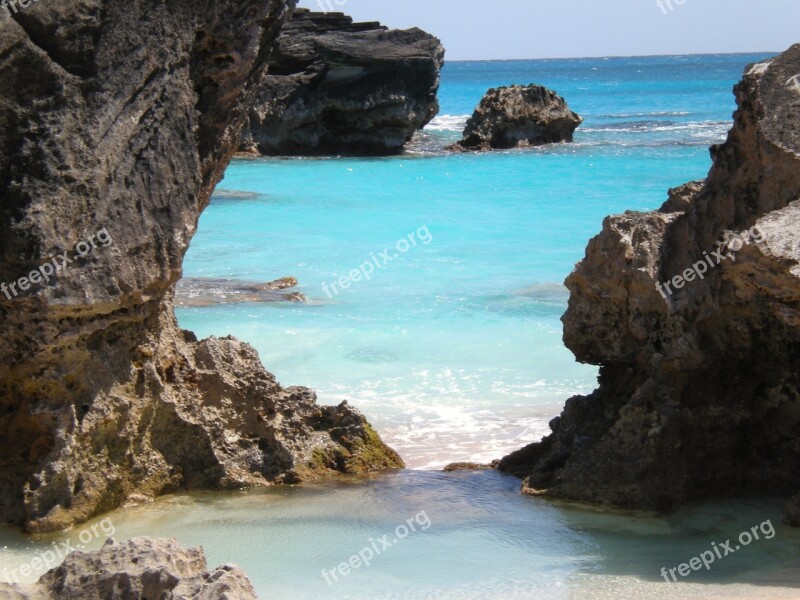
(776, 52)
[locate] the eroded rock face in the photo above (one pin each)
(138, 568)
(519, 116)
(121, 116)
(698, 391)
(338, 87)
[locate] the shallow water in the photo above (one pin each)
(475, 537)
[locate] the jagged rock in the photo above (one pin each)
(338, 87)
(519, 116)
(698, 391)
(138, 568)
(121, 118)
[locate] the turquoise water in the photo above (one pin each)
(454, 348)
(474, 537)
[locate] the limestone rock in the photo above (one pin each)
(121, 117)
(338, 87)
(699, 390)
(519, 116)
(139, 568)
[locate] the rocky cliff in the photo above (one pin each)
(338, 87)
(138, 568)
(698, 392)
(117, 119)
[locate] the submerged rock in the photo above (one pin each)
(338, 87)
(696, 330)
(200, 291)
(470, 466)
(138, 568)
(519, 116)
(117, 121)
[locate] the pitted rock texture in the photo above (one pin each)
(141, 568)
(519, 116)
(698, 391)
(338, 87)
(124, 115)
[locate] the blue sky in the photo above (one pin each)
(497, 29)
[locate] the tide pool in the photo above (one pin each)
(474, 537)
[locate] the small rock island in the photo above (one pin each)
(518, 116)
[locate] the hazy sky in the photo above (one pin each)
(493, 29)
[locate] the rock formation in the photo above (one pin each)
(698, 391)
(338, 87)
(519, 116)
(117, 120)
(138, 568)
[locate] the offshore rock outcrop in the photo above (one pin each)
(519, 116)
(699, 390)
(200, 291)
(119, 118)
(338, 87)
(138, 568)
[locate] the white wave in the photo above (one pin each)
(442, 416)
(448, 123)
(681, 113)
(694, 128)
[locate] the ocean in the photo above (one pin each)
(451, 345)
(453, 348)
